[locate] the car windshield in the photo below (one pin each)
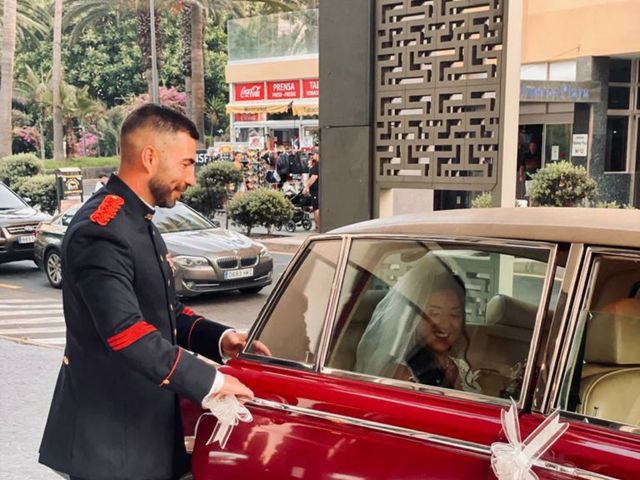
(9, 200)
(180, 219)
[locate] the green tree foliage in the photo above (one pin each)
(562, 184)
(483, 200)
(14, 167)
(40, 190)
(259, 207)
(214, 181)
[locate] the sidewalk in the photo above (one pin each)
(276, 241)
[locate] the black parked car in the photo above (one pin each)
(18, 223)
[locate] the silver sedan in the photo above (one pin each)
(206, 258)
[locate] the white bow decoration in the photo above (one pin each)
(229, 411)
(513, 460)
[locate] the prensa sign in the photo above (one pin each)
(286, 89)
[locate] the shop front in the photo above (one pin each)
(547, 126)
(280, 113)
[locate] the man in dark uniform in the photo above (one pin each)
(115, 411)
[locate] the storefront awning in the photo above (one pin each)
(261, 107)
(305, 108)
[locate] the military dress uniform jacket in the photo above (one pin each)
(115, 412)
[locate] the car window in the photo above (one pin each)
(9, 200)
(293, 327)
(446, 315)
(602, 378)
(180, 219)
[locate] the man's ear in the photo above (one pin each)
(150, 158)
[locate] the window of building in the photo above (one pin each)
(616, 152)
(601, 383)
(564, 71)
(440, 314)
(622, 114)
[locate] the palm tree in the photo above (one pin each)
(6, 70)
(58, 152)
(194, 14)
(82, 14)
(35, 89)
(32, 19)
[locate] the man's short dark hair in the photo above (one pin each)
(159, 118)
(103, 175)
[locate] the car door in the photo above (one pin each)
(328, 405)
(596, 383)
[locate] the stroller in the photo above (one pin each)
(301, 216)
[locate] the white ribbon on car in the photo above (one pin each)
(513, 460)
(229, 411)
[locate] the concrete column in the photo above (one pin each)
(346, 111)
(504, 194)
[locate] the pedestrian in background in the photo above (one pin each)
(312, 187)
(102, 181)
(115, 410)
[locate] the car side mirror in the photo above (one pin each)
(216, 223)
(27, 200)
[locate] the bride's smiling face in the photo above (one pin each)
(442, 320)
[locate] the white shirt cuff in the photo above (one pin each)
(218, 383)
(222, 355)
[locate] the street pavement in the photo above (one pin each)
(31, 341)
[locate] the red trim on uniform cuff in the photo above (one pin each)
(131, 335)
(191, 331)
(173, 368)
(188, 311)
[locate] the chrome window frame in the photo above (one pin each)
(547, 361)
(468, 241)
(582, 297)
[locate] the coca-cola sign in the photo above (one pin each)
(311, 88)
(249, 91)
(286, 89)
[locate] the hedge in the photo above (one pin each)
(14, 167)
(259, 207)
(40, 190)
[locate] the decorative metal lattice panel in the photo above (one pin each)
(438, 74)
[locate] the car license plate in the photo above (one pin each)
(26, 239)
(242, 273)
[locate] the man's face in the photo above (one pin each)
(176, 168)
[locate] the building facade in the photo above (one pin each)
(580, 89)
(579, 95)
(273, 77)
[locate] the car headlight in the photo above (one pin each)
(191, 262)
(264, 253)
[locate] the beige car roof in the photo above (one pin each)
(596, 226)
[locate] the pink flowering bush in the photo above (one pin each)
(87, 146)
(169, 97)
(26, 139)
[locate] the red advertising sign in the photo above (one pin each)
(248, 117)
(282, 90)
(246, 92)
(310, 88)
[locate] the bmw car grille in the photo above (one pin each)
(227, 262)
(248, 261)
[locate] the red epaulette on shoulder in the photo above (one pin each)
(107, 210)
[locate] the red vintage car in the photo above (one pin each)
(397, 343)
